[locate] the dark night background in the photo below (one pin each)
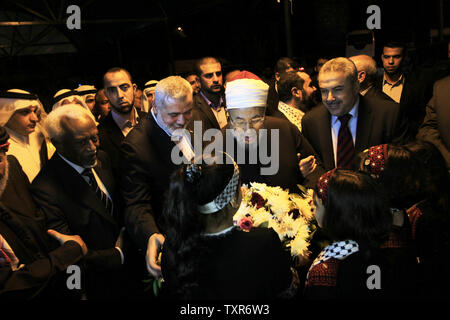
(141, 36)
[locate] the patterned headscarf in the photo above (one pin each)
(225, 196)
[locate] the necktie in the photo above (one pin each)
(345, 147)
(98, 192)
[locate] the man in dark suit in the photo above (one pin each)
(31, 265)
(436, 125)
(404, 88)
(346, 122)
(75, 190)
(209, 103)
(120, 91)
(146, 164)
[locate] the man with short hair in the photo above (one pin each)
(146, 163)
(347, 123)
(295, 91)
(124, 116)
(209, 104)
(75, 190)
(282, 66)
(404, 88)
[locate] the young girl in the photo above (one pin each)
(354, 213)
(204, 255)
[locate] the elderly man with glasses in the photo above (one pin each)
(264, 140)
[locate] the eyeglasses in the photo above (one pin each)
(253, 122)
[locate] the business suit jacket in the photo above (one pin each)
(375, 92)
(72, 207)
(412, 101)
(111, 137)
(436, 125)
(202, 112)
(379, 122)
(146, 167)
(23, 226)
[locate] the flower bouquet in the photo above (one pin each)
(291, 215)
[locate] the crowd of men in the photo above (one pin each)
(85, 183)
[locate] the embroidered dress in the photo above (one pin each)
(323, 271)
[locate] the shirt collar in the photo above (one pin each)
(77, 168)
(285, 106)
(120, 119)
(397, 83)
(353, 112)
(210, 103)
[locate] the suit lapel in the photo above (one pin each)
(77, 188)
(113, 130)
(206, 109)
(363, 127)
(325, 138)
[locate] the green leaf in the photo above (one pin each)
(264, 224)
(155, 288)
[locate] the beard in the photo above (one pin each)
(4, 179)
(246, 138)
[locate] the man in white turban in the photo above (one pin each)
(276, 153)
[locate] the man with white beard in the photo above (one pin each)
(31, 265)
(276, 153)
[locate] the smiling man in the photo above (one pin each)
(346, 122)
(209, 103)
(146, 164)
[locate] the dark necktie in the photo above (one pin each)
(98, 192)
(345, 147)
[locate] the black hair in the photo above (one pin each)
(287, 81)
(395, 44)
(356, 209)
(203, 61)
(433, 174)
(399, 178)
(184, 225)
(118, 69)
(285, 63)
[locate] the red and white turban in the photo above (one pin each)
(246, 90)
